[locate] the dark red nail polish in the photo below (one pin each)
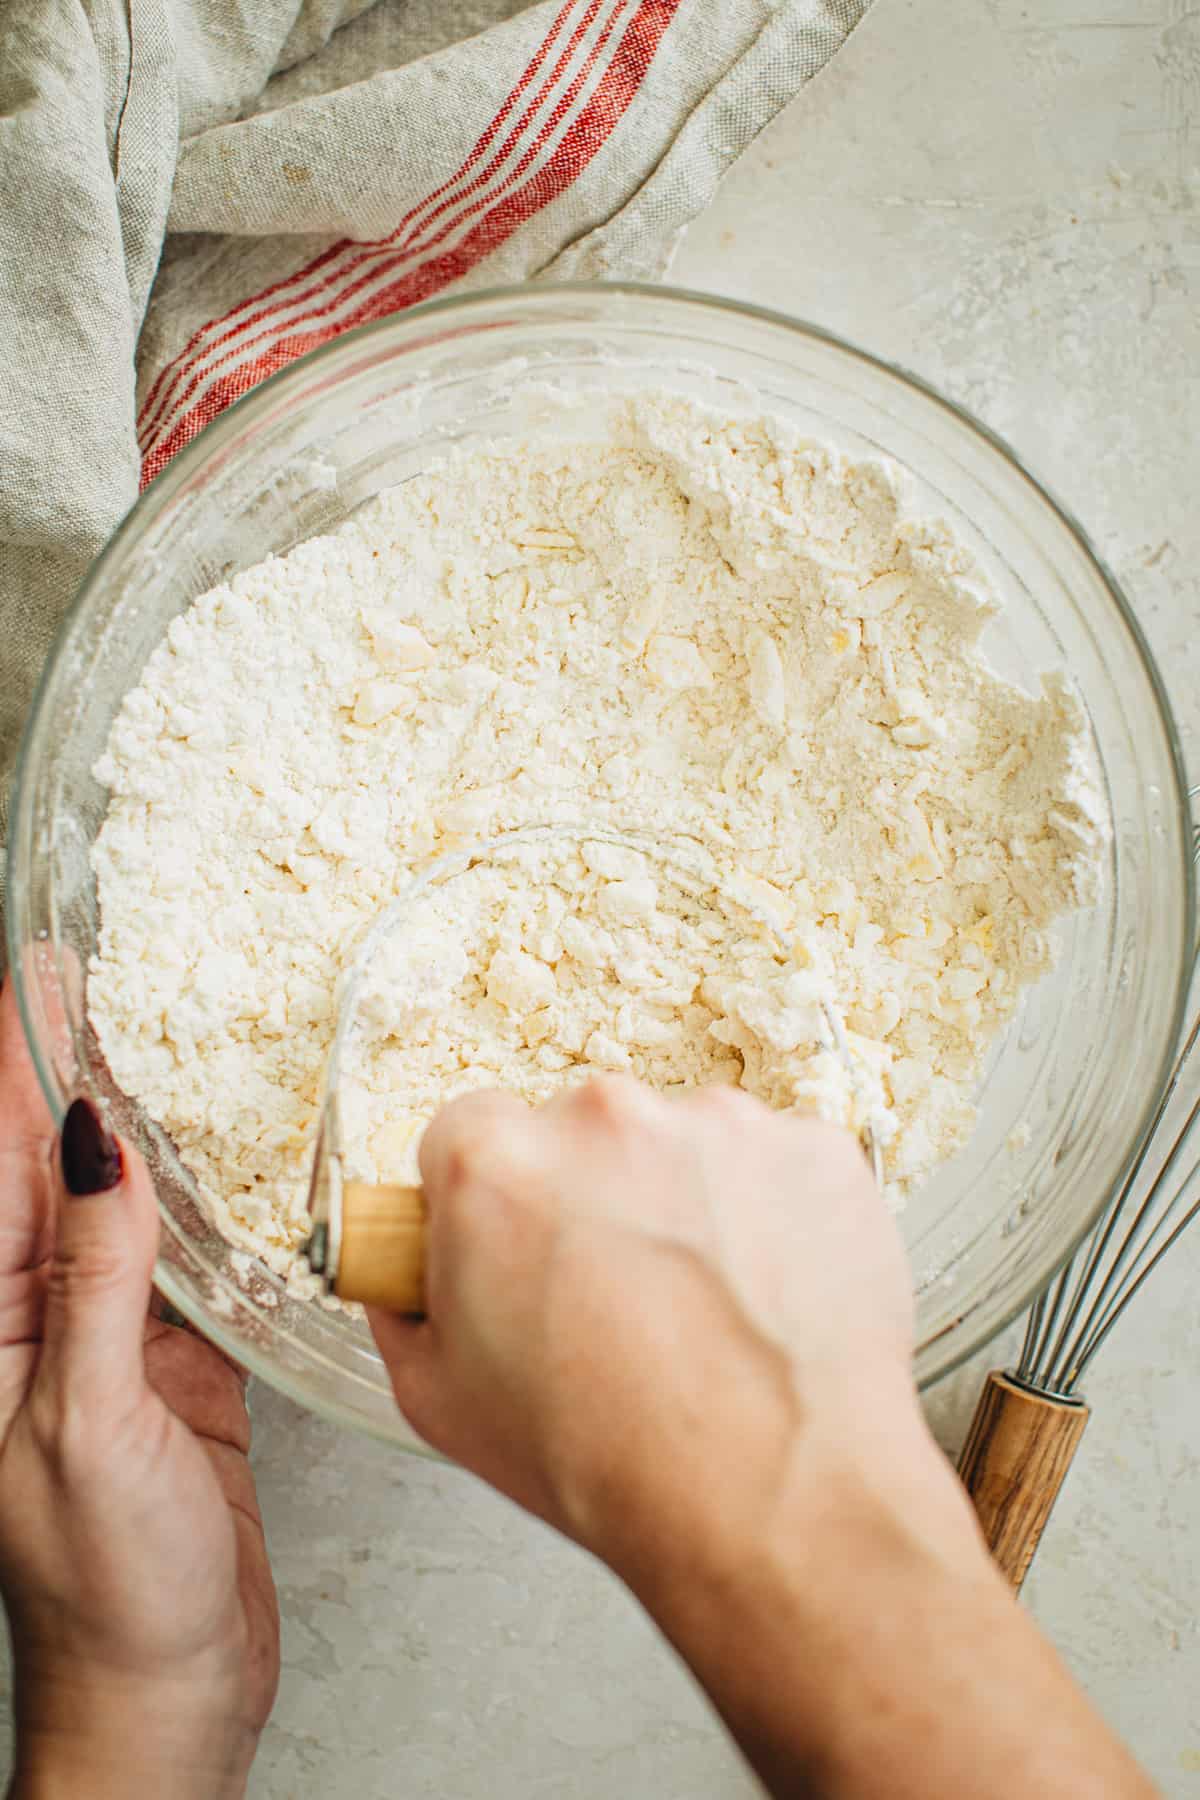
(91, 1156)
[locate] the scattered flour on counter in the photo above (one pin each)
(690, 626)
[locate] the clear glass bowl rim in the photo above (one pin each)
(528, 297)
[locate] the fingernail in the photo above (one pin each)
(91, 1156)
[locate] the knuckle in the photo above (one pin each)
(472, 1137)
(463, 1162)
(80, 1273)
(726, 1106)
(484, 1157)
(470, 1224)
(614, 1102)
(484, 1167)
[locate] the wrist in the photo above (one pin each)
(791, 1581)
(112, 1734)
(801, 1508)
(733, 1448)
(863, 1638)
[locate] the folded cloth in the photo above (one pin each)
(194, 192)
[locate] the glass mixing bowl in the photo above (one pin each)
(1067, 1091)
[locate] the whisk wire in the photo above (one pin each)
(1063, 1353)
(1033, 1322)
(1147, 1259)
(1071, 1319)
(1085, 1265)
(1114, 1312)
(1051, 1308)
(1150, 1200)
(1149, 1248)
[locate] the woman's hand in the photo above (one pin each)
(680, 1330)
(627, 1290)
(132, 1562)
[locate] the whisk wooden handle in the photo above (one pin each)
(1014, 1461)
(382, 1258)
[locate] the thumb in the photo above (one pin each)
(98, 1288)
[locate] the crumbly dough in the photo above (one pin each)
(690, 626)
(542, 963)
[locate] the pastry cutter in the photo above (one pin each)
(368, 1241)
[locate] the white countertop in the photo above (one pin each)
(1006, 199)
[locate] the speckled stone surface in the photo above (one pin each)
(1006, 199)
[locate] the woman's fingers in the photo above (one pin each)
(471, 1139)
(98, 1286)
(26, 1136)
(409, 1348)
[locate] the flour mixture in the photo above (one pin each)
(687, 626)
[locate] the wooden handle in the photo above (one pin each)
(1014, 1461)
(382, 1259)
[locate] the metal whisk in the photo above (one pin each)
(1029, 1420)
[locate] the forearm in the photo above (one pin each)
(861, 1647)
